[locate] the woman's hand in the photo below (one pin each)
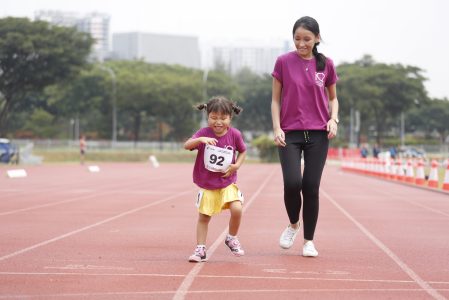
(279, 138)
(331, 128)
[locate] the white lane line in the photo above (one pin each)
(82, 274)
(382, 292)
(96, 194)
(188, 280)
(423, 284)
(24, 250)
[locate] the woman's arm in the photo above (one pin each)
(279, 136)
(332, 125)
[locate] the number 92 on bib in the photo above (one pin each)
(217, 159)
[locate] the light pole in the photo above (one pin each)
(114, 104)
(203, 116)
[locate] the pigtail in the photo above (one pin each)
(202, 106)
(236, 109)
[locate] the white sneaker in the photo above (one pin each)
(288, 237)
(309, 249)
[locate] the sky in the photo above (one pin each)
(408, 32)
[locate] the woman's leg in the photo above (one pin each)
(315, 154)
(290, 157)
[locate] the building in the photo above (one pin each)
(258, 59)
(157, 48)
(96, 24)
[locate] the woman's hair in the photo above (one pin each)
(220, 104)
(311, 24)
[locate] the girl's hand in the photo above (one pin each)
(331, 128)
(279, 138)
(208, 141)
(232, 168)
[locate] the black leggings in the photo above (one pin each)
(314, 145)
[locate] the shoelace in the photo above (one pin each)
(290, 233)
(199, 251)
(234, 243)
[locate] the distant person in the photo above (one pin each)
(364, 151)
(393, 152)
(83, 147)
(376, 151)
(304, 110)
(215, 172)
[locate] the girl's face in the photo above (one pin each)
(305, 40)
(219, 123)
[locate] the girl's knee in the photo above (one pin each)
(203, 218)
(235, 207)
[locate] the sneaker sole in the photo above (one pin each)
(285, 247)
(197, 260)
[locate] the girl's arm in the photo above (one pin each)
(193, 143)
(332, 125)
(234, 167)
(279, 136)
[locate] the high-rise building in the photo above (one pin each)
(259, 59)
(96, 24)
(157, 48)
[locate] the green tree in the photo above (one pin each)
(87, 97)
(430, 117)
(256, 96)
(34, 55)
(157, 95)
(380, 92)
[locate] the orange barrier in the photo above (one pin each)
(433, 176)
(410, 171)
(410, 174)
(446, 177)
(420, 177)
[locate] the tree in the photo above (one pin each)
(430, 117)
(34, 55)
(256, 96)
(380, 92)
(87, 98)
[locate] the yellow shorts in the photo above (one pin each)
(211, 202)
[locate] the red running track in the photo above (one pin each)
(127, 231)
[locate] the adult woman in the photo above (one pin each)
(304, 110)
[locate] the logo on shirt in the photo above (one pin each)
(319, 79)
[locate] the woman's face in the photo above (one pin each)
(304, 41)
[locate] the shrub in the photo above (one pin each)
(267, 148)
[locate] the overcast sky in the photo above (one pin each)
(410, 32)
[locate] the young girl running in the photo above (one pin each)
(215, 172)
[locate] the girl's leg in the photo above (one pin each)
(201, 229)
(234, 223)
(315, 154)
(290, 157)
(236, 215)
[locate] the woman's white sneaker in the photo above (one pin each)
(288, 237)
(309, 249)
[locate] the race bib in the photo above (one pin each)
(217, 159)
